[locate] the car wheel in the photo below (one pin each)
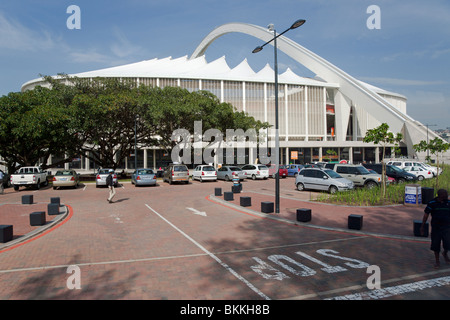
(295, 175)
(332, 189)
(300, 186)
(16, 188)
(227, 178)
(253, 177)
(401, 180)
(370, 184)
(274, 176)
(420, 178)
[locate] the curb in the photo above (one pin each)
(36, 232)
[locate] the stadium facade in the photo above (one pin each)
(320, 119)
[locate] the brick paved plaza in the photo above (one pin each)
(180, 242)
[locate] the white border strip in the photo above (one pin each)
(396, 290)
(223, 264)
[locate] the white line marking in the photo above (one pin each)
(195, 211)
(396, 290)
(361, 287)
(169, 257)
(223, 264)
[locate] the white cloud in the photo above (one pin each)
(15, 36)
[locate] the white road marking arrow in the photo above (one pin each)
(197, 212)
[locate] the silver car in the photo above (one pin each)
(66, 178)
(227, 173)
(322, 179)
(143, 177)
(100, 179)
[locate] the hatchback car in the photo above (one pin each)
(100, 179)
(325, 180)
(228, 173)
(283, 172)
(294, 169)
(204, 173)
(256, 171)
(66, 178)
(176, 173)
(143, 177)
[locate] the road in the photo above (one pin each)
(176, 242)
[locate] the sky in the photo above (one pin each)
(408, 53)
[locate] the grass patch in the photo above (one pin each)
(394, 193)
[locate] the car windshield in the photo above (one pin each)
(63, 173)
(362, 170)
(332, 174)
(180, 168)
(208, 168)
(394, 168)
(103, 171)
(263, 168)
(145, 171)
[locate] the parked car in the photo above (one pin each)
(360, 176)
(29, 176)
(392, 171)
(100, 179)
(283, 172)
(228, 173)
(433, 169)
(143, 177)
(6, 180)
(389, 180)
(66, 178)
(403, 163)
(176, 173)
(256, 171)
(294, 169)
(322, 179)
(420, 172)
(204, 173)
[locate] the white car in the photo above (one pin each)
(420, 172)
(402, 164)
(256, 171)
(204, 173)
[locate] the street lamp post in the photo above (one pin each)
(295, 25)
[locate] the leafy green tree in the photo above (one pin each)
(382, 136)
(436, 146)
(103, 119)
(35, 124)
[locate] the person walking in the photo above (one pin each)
(439, 208)
(110, 184)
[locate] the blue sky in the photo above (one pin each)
(409, 55)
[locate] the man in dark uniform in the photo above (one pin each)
(439, 208)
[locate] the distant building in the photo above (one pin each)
(321, 118)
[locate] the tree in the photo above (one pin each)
(98, 117)
(436, 146)
(35, 124)
(382, 136)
